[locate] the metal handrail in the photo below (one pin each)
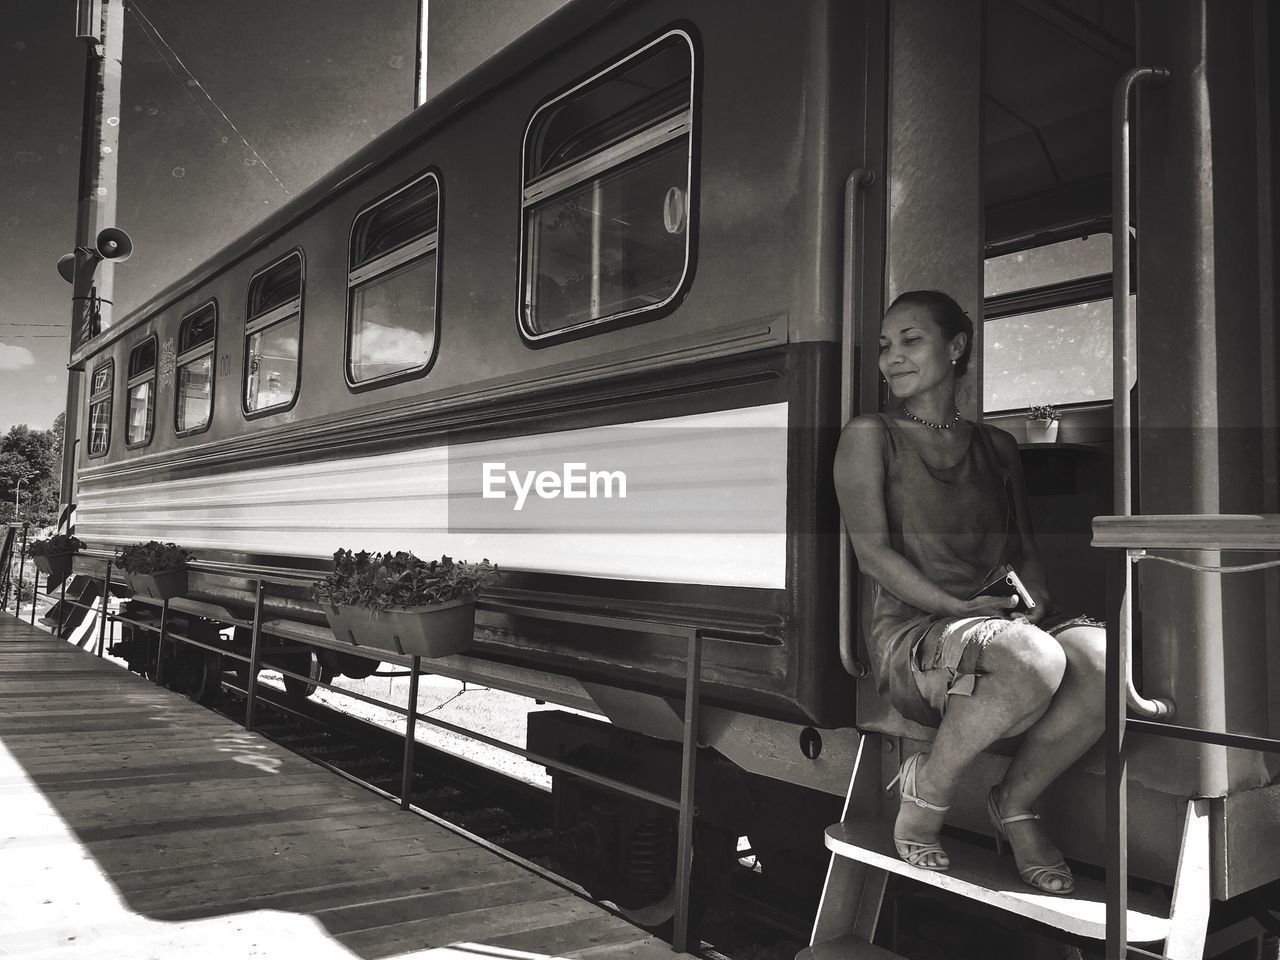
(684, 805)
(1122, 356)
(853, 185)
(1119, 724)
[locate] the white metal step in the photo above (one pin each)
(980, 874)
(847, 948)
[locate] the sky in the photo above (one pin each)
(299, 80)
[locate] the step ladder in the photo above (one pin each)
(863, 857)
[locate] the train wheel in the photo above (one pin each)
(653, 846)
(206, 677)
(299, 689)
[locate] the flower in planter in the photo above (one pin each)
(379, 581)
(152, 557)
(49, 546)
(1045, 411)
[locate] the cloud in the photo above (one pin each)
(381, 345)
(15, 358)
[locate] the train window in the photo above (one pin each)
(607, 177)
(1047, 335)
(391, 283)
(100, 409)
(194, 403)
(273, 336)
(140, 398)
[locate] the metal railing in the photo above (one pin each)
(1128, 540)
(684, 805)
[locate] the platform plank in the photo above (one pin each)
(139, 824)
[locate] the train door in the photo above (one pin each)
(998, 181)
(997, 173)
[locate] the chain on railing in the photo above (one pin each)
(684, 806)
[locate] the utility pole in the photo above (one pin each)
(100, 23)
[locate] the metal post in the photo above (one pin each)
(251, 688)
(688, 774)
(36, 594)
(164, 626)
(62, 603)
(1117, 841)
(106, 596)
(406, 779)
(22, 562)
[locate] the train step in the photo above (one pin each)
(980, 874)
(847, 948)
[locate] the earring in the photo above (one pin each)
(953, 363)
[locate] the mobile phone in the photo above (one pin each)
(1001, 583)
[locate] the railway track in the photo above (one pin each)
(509, 816)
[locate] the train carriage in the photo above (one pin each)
(655, 239)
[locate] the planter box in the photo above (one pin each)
(55, 566)
(1042, 431)
(161, 585)
(431, 631)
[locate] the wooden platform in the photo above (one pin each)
(137, 824)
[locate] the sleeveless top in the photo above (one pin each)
(956, 525)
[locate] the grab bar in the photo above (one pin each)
(858, 179)
(1122, 361)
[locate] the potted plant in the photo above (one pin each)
(154, 569)
(52, 555)
(1042, 424)
(397, 603)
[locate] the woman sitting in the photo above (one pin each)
(933, 505)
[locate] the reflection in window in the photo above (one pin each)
(140, 402)
(194, 401)
(100, 410)
(602, 248)
(272, 336)
(606, 192)
(392, 285)
(1049, 338)
(273, 365)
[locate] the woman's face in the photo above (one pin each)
(915, 355)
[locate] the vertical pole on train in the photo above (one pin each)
(106, 595)
(22, 562)
(688, 772)
(164, 627)
(411, 722)
(62, 603)
(1116, 821)
(251, 691)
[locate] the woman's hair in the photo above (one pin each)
(949, 316)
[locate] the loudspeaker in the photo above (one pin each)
(67, 267)
(114, 244)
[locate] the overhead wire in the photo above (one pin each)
(149, 26)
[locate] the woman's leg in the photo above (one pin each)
(1073, 722)
(1022, 669)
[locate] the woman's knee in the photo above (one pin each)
(1086, 651)
(1032, 660)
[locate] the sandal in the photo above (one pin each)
(915, 851)
(1037, 875)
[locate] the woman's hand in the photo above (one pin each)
(987, 606)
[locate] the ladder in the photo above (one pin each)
(863, 857)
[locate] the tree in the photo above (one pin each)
(34, 459)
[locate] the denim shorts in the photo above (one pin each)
(947, 659)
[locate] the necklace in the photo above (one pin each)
(933, 426)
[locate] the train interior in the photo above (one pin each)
(1046, 293)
